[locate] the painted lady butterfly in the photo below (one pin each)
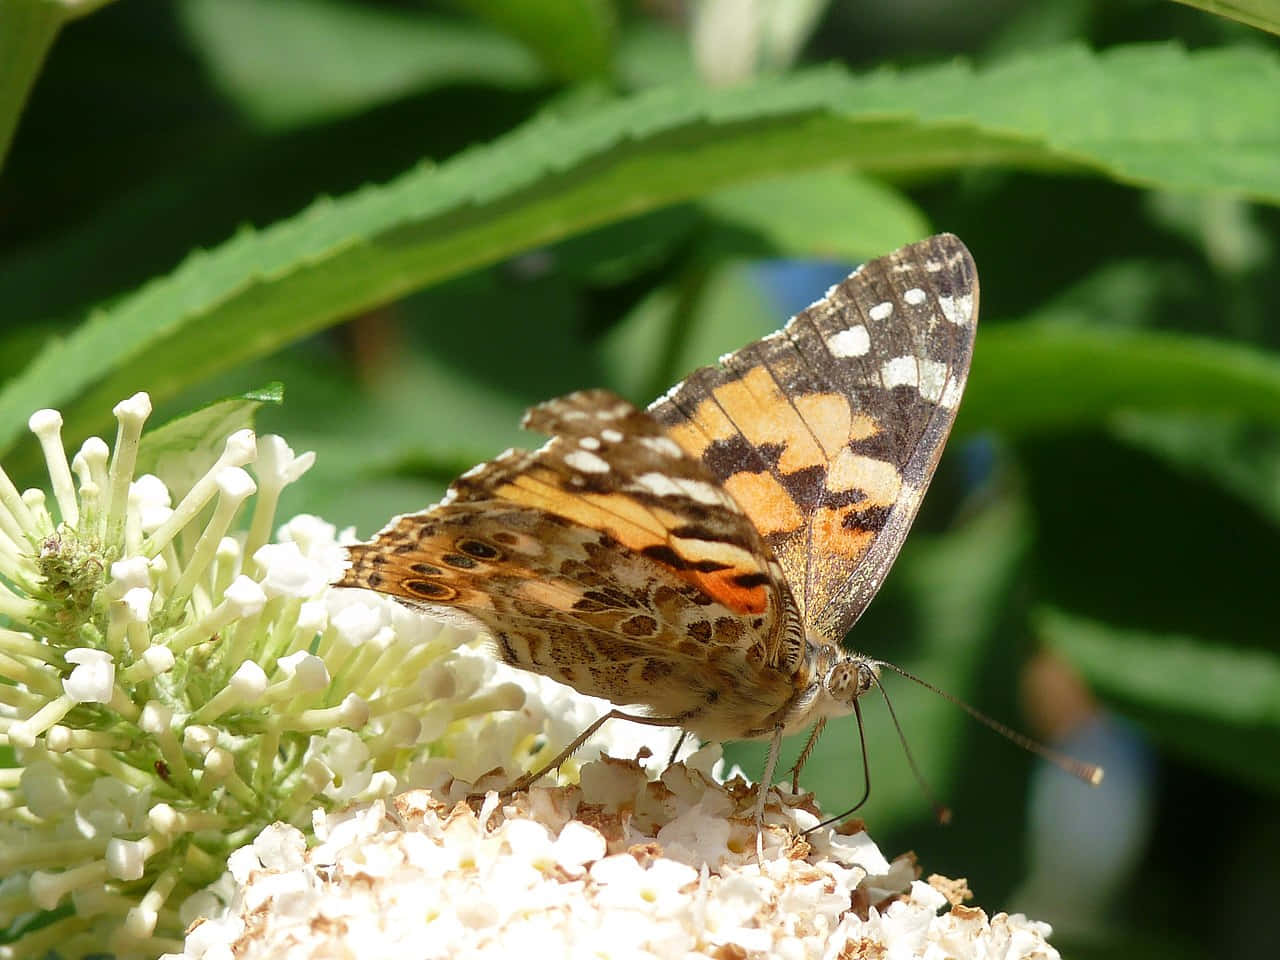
(705, 558)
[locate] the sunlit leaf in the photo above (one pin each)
(191, 443)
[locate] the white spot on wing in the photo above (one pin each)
(927, 376)
(951, 394)
(881, 311)
(915, 296)
(659, 483)
(589, 443)
(702, 492)
(958, 310)
(854, 342)
(900, 372)
(933, 379)
(611, 435)
(662, 445)
(665, 486)
(586, 462)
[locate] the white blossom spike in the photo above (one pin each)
(130, 415)
(239, 450)
(47, 426)
(234, 486)
(90, 462)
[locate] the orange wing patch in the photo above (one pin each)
(771, 507)
(828, 415)
(834, 537)
(742, 592)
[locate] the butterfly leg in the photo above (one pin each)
(762, 790)
(804, 754)
(770, 764)
(529, 779)
(676, 750)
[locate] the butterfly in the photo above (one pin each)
(704, 558)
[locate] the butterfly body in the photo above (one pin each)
(704, 558)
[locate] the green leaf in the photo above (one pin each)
(185, 447)
(1044, 365)
(290, 62)
(706, 313)
(27, 31)
(623, 251)
(573, 38)
(1243, 457)
(1119, 293)
(1263, 14)
(1152, 115)
(1216, 704)
(653, 53)
(437, 405)
(824, 214)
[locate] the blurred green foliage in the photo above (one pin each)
(502, 202)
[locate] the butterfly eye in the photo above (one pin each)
(868, 677)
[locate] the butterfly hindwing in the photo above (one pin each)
(827, 432)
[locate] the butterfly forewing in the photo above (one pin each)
(827, 432)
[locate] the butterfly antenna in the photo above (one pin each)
(866, 775)
(941, 812)
(1090, 773)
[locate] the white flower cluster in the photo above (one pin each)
(175, 684)
(618, 867)
(176, 688)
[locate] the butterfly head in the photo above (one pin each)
(839, 679)
(848, 678)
